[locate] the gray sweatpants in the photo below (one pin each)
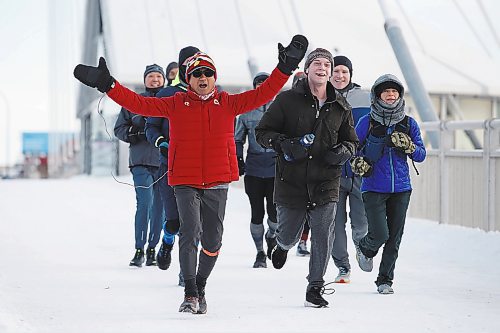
(201, 214)
(349, 188)
(321, 220)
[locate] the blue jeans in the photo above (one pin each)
(149, 206)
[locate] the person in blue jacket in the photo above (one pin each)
(350, 183)
(143, 164)
(387, 138)
(258, 169)
(157, 133)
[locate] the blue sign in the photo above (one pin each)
(36, 143)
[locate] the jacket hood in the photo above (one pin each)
(386, 80)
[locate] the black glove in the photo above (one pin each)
(136, 134)
(163, 146)
(361, 166)
(95, 77)
(241, 166)
(293, 149)
(338, 155)
(379, 131)
(289, 57)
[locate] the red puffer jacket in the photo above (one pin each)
(202, 152)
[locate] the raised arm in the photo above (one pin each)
(288, 59)
(100, 78)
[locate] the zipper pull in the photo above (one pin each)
(317, 113)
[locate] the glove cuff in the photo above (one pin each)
(285, 69)
(106, 86)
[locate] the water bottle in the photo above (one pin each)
(307, 140)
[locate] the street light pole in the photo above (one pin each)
(7, 132)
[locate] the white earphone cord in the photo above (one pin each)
(116, 152)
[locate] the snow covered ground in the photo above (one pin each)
(65, 247)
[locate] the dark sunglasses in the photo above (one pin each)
(203, 71)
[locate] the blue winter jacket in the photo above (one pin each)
(157, 126)
(391, 172)
(360, 103)
(259, 162)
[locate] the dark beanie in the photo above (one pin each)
(154, 68)
(259, 78)
(185, 53)
(379, 89)
(342, 60)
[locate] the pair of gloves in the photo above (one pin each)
(293, 149)
(297, 148)
(99, 77)
(363, 167)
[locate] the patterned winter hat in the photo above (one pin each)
(200, 60)
(318, 53)
(154, 68)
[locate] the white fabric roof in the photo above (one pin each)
(455, 44)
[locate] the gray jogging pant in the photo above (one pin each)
(321, 220)
(201, 214)
(349, 188)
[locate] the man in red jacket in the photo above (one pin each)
(202, 157)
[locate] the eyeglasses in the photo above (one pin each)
(203, 71)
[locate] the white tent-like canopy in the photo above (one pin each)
(455, 44)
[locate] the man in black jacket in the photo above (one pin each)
(311, 128)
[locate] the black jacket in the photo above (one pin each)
(141, 152)
(310, 182)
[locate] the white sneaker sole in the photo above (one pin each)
(312, 305)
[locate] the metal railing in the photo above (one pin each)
(458, 186)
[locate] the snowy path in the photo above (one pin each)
(65, 247)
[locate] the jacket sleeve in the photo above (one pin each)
(252, 99)
(145, 106)
(153, 129)
(420, 153)
(347, 133)
(362, 131)
(122, 125)
(270, 127)
(240, 135)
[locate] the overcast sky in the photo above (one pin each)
(25, 66)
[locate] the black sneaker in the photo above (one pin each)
(278, 257)
(315, 299)
(150, 257)
(260, 260)
(271, 243)
(164, 256)
(138, 258)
